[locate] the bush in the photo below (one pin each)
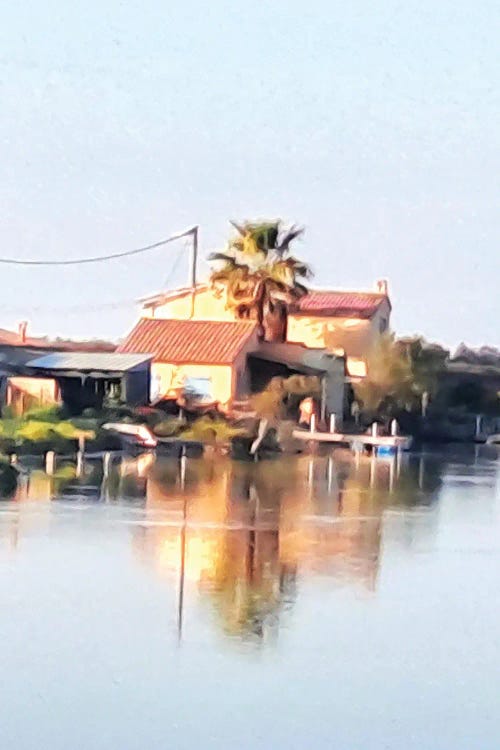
(51, 414)
(8, 479)
(168, 428)
(212, 431)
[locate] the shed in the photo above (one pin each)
(87, 378)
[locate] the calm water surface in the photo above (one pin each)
(312, 602)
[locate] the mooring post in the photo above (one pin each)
(182, 468)
(50, 463)
(312, 423)
(329, 474)
(332, 422)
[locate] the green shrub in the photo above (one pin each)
(168, 427)
(51, 414)
(8, 479)
(212, 431)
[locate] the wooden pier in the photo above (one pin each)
(396, 442)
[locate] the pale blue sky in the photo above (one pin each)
(376, 125)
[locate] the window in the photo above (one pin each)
(198, 388)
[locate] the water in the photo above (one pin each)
(311, 602)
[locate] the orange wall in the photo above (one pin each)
(207, 306)
(353, 335)
(25, 393)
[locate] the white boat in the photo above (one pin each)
(493, 439)
(138, 435)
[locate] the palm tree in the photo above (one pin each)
(259, 276)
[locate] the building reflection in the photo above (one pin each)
(246, 534)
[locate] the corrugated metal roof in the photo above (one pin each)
(183, 341)
(104, 361)
(341, 304)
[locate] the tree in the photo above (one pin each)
(400, 374)
(388, 379)
(427, 363)
(260, 277)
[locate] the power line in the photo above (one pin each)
(88, 308)
(97, 258)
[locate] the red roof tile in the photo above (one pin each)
(182, 341)
(13, 338)
(341, 304)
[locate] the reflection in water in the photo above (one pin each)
(380, 578)
(244, 534)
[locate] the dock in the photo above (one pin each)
(396, 442)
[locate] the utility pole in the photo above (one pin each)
(193, 265)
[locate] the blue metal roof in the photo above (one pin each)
(89, 361)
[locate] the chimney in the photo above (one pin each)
(22, 331)
(383, 287)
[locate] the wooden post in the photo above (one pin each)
(312, 423)
(50, 463)
(182, 468)
(375, 429)
(323, 399)
(330, 474)
(394, 428)
(333, 418)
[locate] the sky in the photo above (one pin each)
(373, 125)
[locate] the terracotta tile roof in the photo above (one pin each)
(183, 341)
(13, 338)
(341, 304)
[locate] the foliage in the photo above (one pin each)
(259, 276)
(270, 403)
(45, 414)
(8, 479)
(38, 431)
(168, 427)
(427, 363)
(212, 431)
(398, 374)
(485, 355)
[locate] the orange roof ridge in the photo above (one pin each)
(189, 341)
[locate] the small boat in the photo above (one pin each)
(493, 439)
(135, 436)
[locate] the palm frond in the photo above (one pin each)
(289, 236)
(221, 256)
(239, 227)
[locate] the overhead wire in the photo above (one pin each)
(69, 309)
(96, 258)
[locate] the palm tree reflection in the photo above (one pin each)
(244, 533)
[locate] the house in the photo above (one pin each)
(346, 323)
(200, 346)
(33, 372)
(207, 357)
(224, 361)
(341, 320)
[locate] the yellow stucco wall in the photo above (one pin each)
(355, 336)
(170, 378)
(207, 306)
(25, 393)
